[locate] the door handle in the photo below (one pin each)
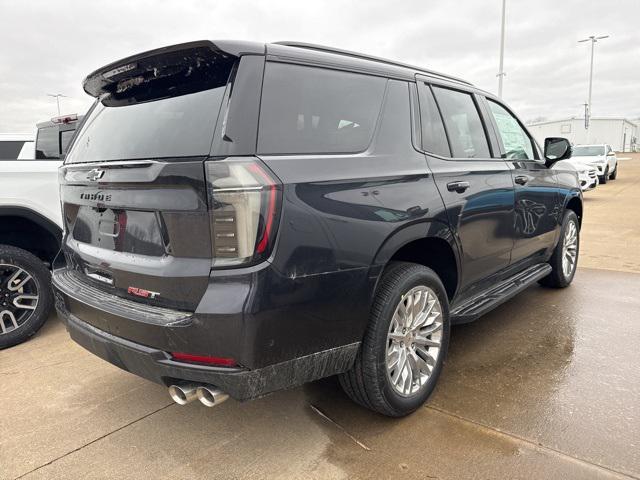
(521, 179)
(457, 186)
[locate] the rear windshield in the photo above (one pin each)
(584, 151)
(171, 127)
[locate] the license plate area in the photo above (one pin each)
(129, 231)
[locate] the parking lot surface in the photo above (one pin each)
(545, 386)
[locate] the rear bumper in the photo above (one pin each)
(241, 384)
(88, 314)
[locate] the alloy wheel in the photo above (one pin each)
(414, 340)
(18, 297)
(570, 249)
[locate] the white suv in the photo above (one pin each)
(601, 157)
(588, 177)
(30, 225)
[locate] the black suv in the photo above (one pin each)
(242, 218)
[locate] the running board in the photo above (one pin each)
(477, 306)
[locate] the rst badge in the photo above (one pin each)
(141, 292)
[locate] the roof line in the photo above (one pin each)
(624, 119)
(363, 56)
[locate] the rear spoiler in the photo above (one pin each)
(201, 64)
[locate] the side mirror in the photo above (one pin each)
(556, 149)
(611, 154)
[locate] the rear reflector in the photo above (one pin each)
(218, 361)
(244, 201)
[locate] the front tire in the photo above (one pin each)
(564, 260)
(404, 347)
(614, 174)
(605, 178)
(26, 298)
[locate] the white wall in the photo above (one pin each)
(601, 130)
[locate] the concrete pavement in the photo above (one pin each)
(545, 386)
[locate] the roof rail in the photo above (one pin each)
(322, 48)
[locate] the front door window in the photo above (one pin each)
(517, 144)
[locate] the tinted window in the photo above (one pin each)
(171, 127)
(65, 140)
(517, 144)
(464, 127)
(587, 151)
(315, 110)
(47, 143)
(434, 138)
(10, 149)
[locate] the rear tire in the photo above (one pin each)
(26, 298)
(395, 371)
(568, 247)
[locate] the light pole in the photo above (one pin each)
(593, 39)
(57, 97)
(501, 72)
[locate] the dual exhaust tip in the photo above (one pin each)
(208, 395)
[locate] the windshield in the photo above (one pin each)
(181, 126)
(587, 151)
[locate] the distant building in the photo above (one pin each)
(620, 133)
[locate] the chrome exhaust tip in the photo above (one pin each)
(183, 393)
(210, 396)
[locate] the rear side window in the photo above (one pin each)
(434, 138)
(462, 120)
(48, 143)
(316, 110)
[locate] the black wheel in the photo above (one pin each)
(26, 298)
(614, 174)
(405, 344)
(605, 178)
(565, 256)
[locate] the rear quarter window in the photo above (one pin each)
(316, 110)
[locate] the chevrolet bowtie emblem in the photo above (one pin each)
(95, 175)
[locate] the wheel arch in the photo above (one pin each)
(430, 244)
(24, 228)
(574, 202)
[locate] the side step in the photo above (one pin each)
(482, 303)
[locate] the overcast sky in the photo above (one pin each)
(50, 46)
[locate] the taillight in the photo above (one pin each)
(244, 204)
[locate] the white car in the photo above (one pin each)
(601, 157)
(30, 225)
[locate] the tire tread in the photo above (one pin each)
(45, 306)
(360, 383)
